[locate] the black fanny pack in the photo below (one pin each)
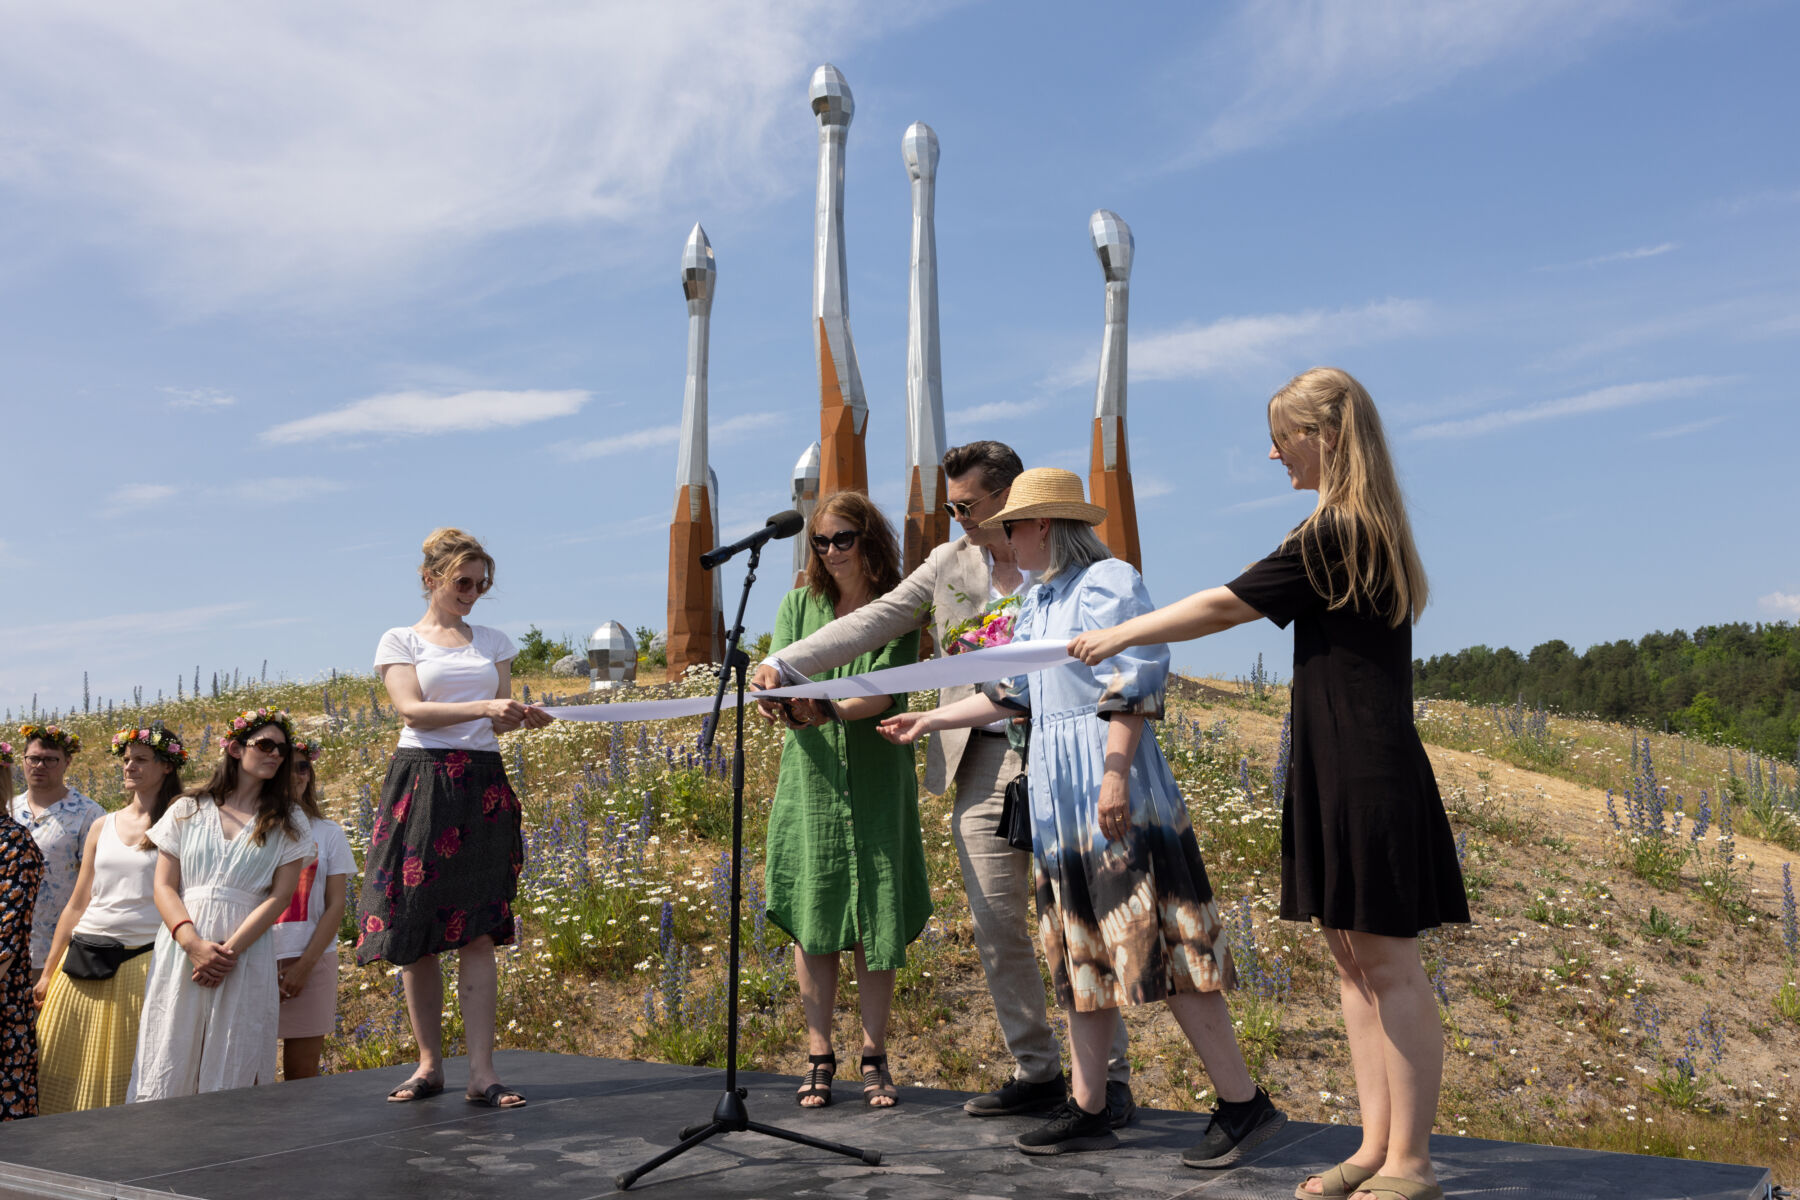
(91, 956)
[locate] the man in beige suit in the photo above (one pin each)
(954, 583)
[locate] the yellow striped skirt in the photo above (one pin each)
(87, 1038)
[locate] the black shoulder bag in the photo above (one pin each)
(93, 956)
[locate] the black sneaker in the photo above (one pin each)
(1120, 1107)
(1070, 1130)
(1017, 1096)
(1235, 1130)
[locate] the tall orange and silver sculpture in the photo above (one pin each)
(1109, 466)
(806, 499)
(927, 524)
(696, 618)
(843, 410)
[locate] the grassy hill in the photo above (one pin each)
(1628, 983)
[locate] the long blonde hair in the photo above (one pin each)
(1358, 492)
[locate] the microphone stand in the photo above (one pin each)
(730, 1115)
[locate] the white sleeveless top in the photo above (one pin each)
(121, 905)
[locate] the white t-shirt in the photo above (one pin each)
(294, 927)
(450, 675)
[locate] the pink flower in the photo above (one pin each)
(373, 924)
(448, 842)
(455, 763)
(493, 801)
(379, 834)
(455, 927)
(412, 871)
(401, 806)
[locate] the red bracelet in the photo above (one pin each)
(176, 928)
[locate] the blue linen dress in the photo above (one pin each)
(1124, 922)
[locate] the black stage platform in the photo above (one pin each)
(590, 1118)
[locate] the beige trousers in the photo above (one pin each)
(1000, 881)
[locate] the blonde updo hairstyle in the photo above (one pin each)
(1358, 492)
(448, 549)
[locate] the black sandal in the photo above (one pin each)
(877, 1082)
(817, 1080)
(417, 1088)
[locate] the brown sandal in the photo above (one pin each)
(877, 1082)
(1336, 1184)
(1399, 1189)
(817, 1080)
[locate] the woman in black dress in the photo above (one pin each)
(1366, 849)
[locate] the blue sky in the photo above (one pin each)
(284, 287)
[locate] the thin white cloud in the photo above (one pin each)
(332, 150)
(1762, 201)
(1264, 502)
(666, 435)
(1623, 395)
(199, 398)
(134, 496)
(1236, 344)
(1150, 487)
(416, 413)
(1675, 431)
(284, 489)
(1283, 65)
(994, 410)
(1785, 604)
(96, 634)
(1619, 256)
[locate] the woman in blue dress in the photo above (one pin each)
(1125, 912)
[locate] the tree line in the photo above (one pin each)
(1735, 684)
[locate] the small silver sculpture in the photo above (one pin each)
(806, 498)
(1109, 467)
(696, 611)
(612, 657)
(927, 524)
(843, 409)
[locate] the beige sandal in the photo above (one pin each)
(1341, 1181)
(1392, 1186)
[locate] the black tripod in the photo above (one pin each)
(730, 1115)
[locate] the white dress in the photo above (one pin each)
(194, 1039)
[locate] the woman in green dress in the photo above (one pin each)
(845, 868)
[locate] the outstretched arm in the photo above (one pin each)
(908, 727)
(1202, 613)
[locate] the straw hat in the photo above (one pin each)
(1047, 492)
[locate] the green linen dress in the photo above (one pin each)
(845, 860)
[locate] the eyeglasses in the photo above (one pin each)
(1006, 527)
(270, 746)
(42, 760)
(464, 583)
(963, 510)
(844, 539)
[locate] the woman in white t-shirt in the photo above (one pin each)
(306, 933)
(88, 1027)
(444, 856)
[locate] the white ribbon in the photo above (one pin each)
(974, 666)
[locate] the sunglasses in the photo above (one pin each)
(842, 540)
(464, 583)
(270, 746)
(963, 510)
(1006, 527)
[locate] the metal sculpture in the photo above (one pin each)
(806, 498)
(843, 409)
(1109, 466)
(612, 657)
(696, 631)
(927, 524)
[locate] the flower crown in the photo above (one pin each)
(307, 748)
(159, 740)
(6, 755)
(252, 719)
(63, 739)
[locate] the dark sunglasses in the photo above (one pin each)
(963, 510)
(842, 540)
(1006, 527)
(462, 584)
(270, 746)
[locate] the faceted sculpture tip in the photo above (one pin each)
(919, 147)
(1113, 243)
(698, 270)
(830, 95)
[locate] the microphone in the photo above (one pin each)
(781, 525)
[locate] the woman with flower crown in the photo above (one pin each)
(92, 988)
(443, 862)
(231, 855)
(21, 867)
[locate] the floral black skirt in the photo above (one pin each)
(444, 857)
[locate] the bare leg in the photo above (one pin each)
(817, 975)
(478, 990)
(1368, 1056)
(300, 1057)
(1409, 1066)
(1206, 1019)
(424, 988)
(875, 999)
(1090, 1041)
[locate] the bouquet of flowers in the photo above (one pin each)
(992, 626)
